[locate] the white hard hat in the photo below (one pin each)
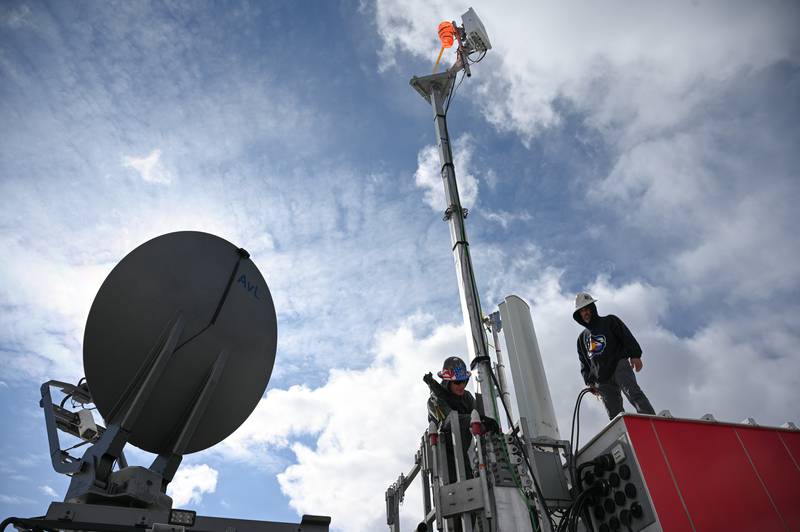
(583, 299)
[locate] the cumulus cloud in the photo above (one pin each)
(647, 65)
(191, 483)
(687, 102)
(150, 167)
(365, 425)
(275, 421)
(428, 176)
(705, 193)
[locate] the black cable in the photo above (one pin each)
(581, 468)
(453, 90)
(574, 436)
(450, 94)
(478, 60)
(578, 428)
(242, 255)
(569, 522)
(63, 402)
(569, 519)
(71, 394)
(576, 418)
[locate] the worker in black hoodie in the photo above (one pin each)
(608, 353)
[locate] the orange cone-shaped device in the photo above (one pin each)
(447, 34)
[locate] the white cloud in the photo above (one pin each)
(644, 65)
(17, 18)
(698, 193)
(44, 319)
(365, 425)
(14, 499)
(150, 167)
(191, 482)
(677, 94)
(504, 218)
(311, 258)
(275, 421)
(47, 490)
(429, 178)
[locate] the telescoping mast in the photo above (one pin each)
(501, 496)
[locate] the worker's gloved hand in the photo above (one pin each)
(636, 363)
(428, 378)
(593, 389)
(489, 424)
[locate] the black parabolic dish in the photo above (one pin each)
(225, 305)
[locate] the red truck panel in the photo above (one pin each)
(777, 470)
(718, 476)
(667, 501)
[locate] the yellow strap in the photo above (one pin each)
(435, 66)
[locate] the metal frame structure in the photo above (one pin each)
(93, 477)
(132, 498)
(501, 497)
(465, 499)
(100, 518)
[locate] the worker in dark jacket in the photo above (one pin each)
(608, 353)
(450, 395)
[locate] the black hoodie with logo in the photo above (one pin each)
(603, 343)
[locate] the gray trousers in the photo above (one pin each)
(623, 380)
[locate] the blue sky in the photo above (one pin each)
(643, 152)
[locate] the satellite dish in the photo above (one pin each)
(225, 306)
